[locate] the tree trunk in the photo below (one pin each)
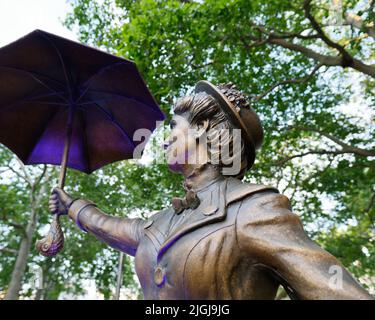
(21, 262)
(23, 252)
(119, 276)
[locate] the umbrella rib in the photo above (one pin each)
(51, 103)
(120, 96)
(62, 63)
(34, 76)
(85, 140)
(118, 125)
(34, 73)
(100, 71)
(13, 104)
(45, 95)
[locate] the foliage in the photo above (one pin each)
(318, 120)
(309, 113)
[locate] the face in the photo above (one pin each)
(181, 144)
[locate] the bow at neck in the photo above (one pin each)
(191, 199)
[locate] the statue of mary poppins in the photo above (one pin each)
(225, 239)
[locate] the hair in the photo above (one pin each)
(201, 106)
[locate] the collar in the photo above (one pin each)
(213, 207)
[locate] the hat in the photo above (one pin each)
(239, 113)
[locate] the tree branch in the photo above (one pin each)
(289, 81)
(300, 155)
(284, 35)
(345, 146)
(15, 225)
(8, 250)
(371, 203)
(36, 183)
(26, 175)
(347, 58)
(356, 22)
(202, 65)
(344, 59)
(324, 59)
(369, 207)
(20, 228)
(18, 174)
(288, 35)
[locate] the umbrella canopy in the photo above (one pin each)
(50, 86)
(65, 103)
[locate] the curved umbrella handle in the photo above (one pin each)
(54, 240)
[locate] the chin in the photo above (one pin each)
(173, 163)
(174, 167)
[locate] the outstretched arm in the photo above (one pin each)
(274, 236)
(120, 233)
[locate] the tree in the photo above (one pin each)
(24, 215)
(297, 62)
(24, 194)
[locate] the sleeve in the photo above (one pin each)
(120, 233)
(270, 233)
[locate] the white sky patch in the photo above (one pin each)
(20, 17)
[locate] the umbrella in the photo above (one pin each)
(65, 103)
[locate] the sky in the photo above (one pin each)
(19, 17)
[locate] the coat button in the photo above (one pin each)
(159, 276)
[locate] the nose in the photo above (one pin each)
(165, 144)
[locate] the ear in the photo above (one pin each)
(200, 128)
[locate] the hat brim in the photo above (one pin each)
(230, 110)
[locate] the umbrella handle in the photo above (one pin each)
(53, 242)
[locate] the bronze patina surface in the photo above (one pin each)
(225, 239)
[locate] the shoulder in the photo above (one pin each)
(257, 201)
(259, 204)
(242, 191)
(267, 214)
(265, 220)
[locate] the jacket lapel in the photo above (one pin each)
(209, 211)
(215, 210)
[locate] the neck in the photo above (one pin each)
(201, 177)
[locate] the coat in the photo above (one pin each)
(242, 242)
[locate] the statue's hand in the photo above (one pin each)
(59, 202)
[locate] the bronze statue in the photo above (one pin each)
(225, 239)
